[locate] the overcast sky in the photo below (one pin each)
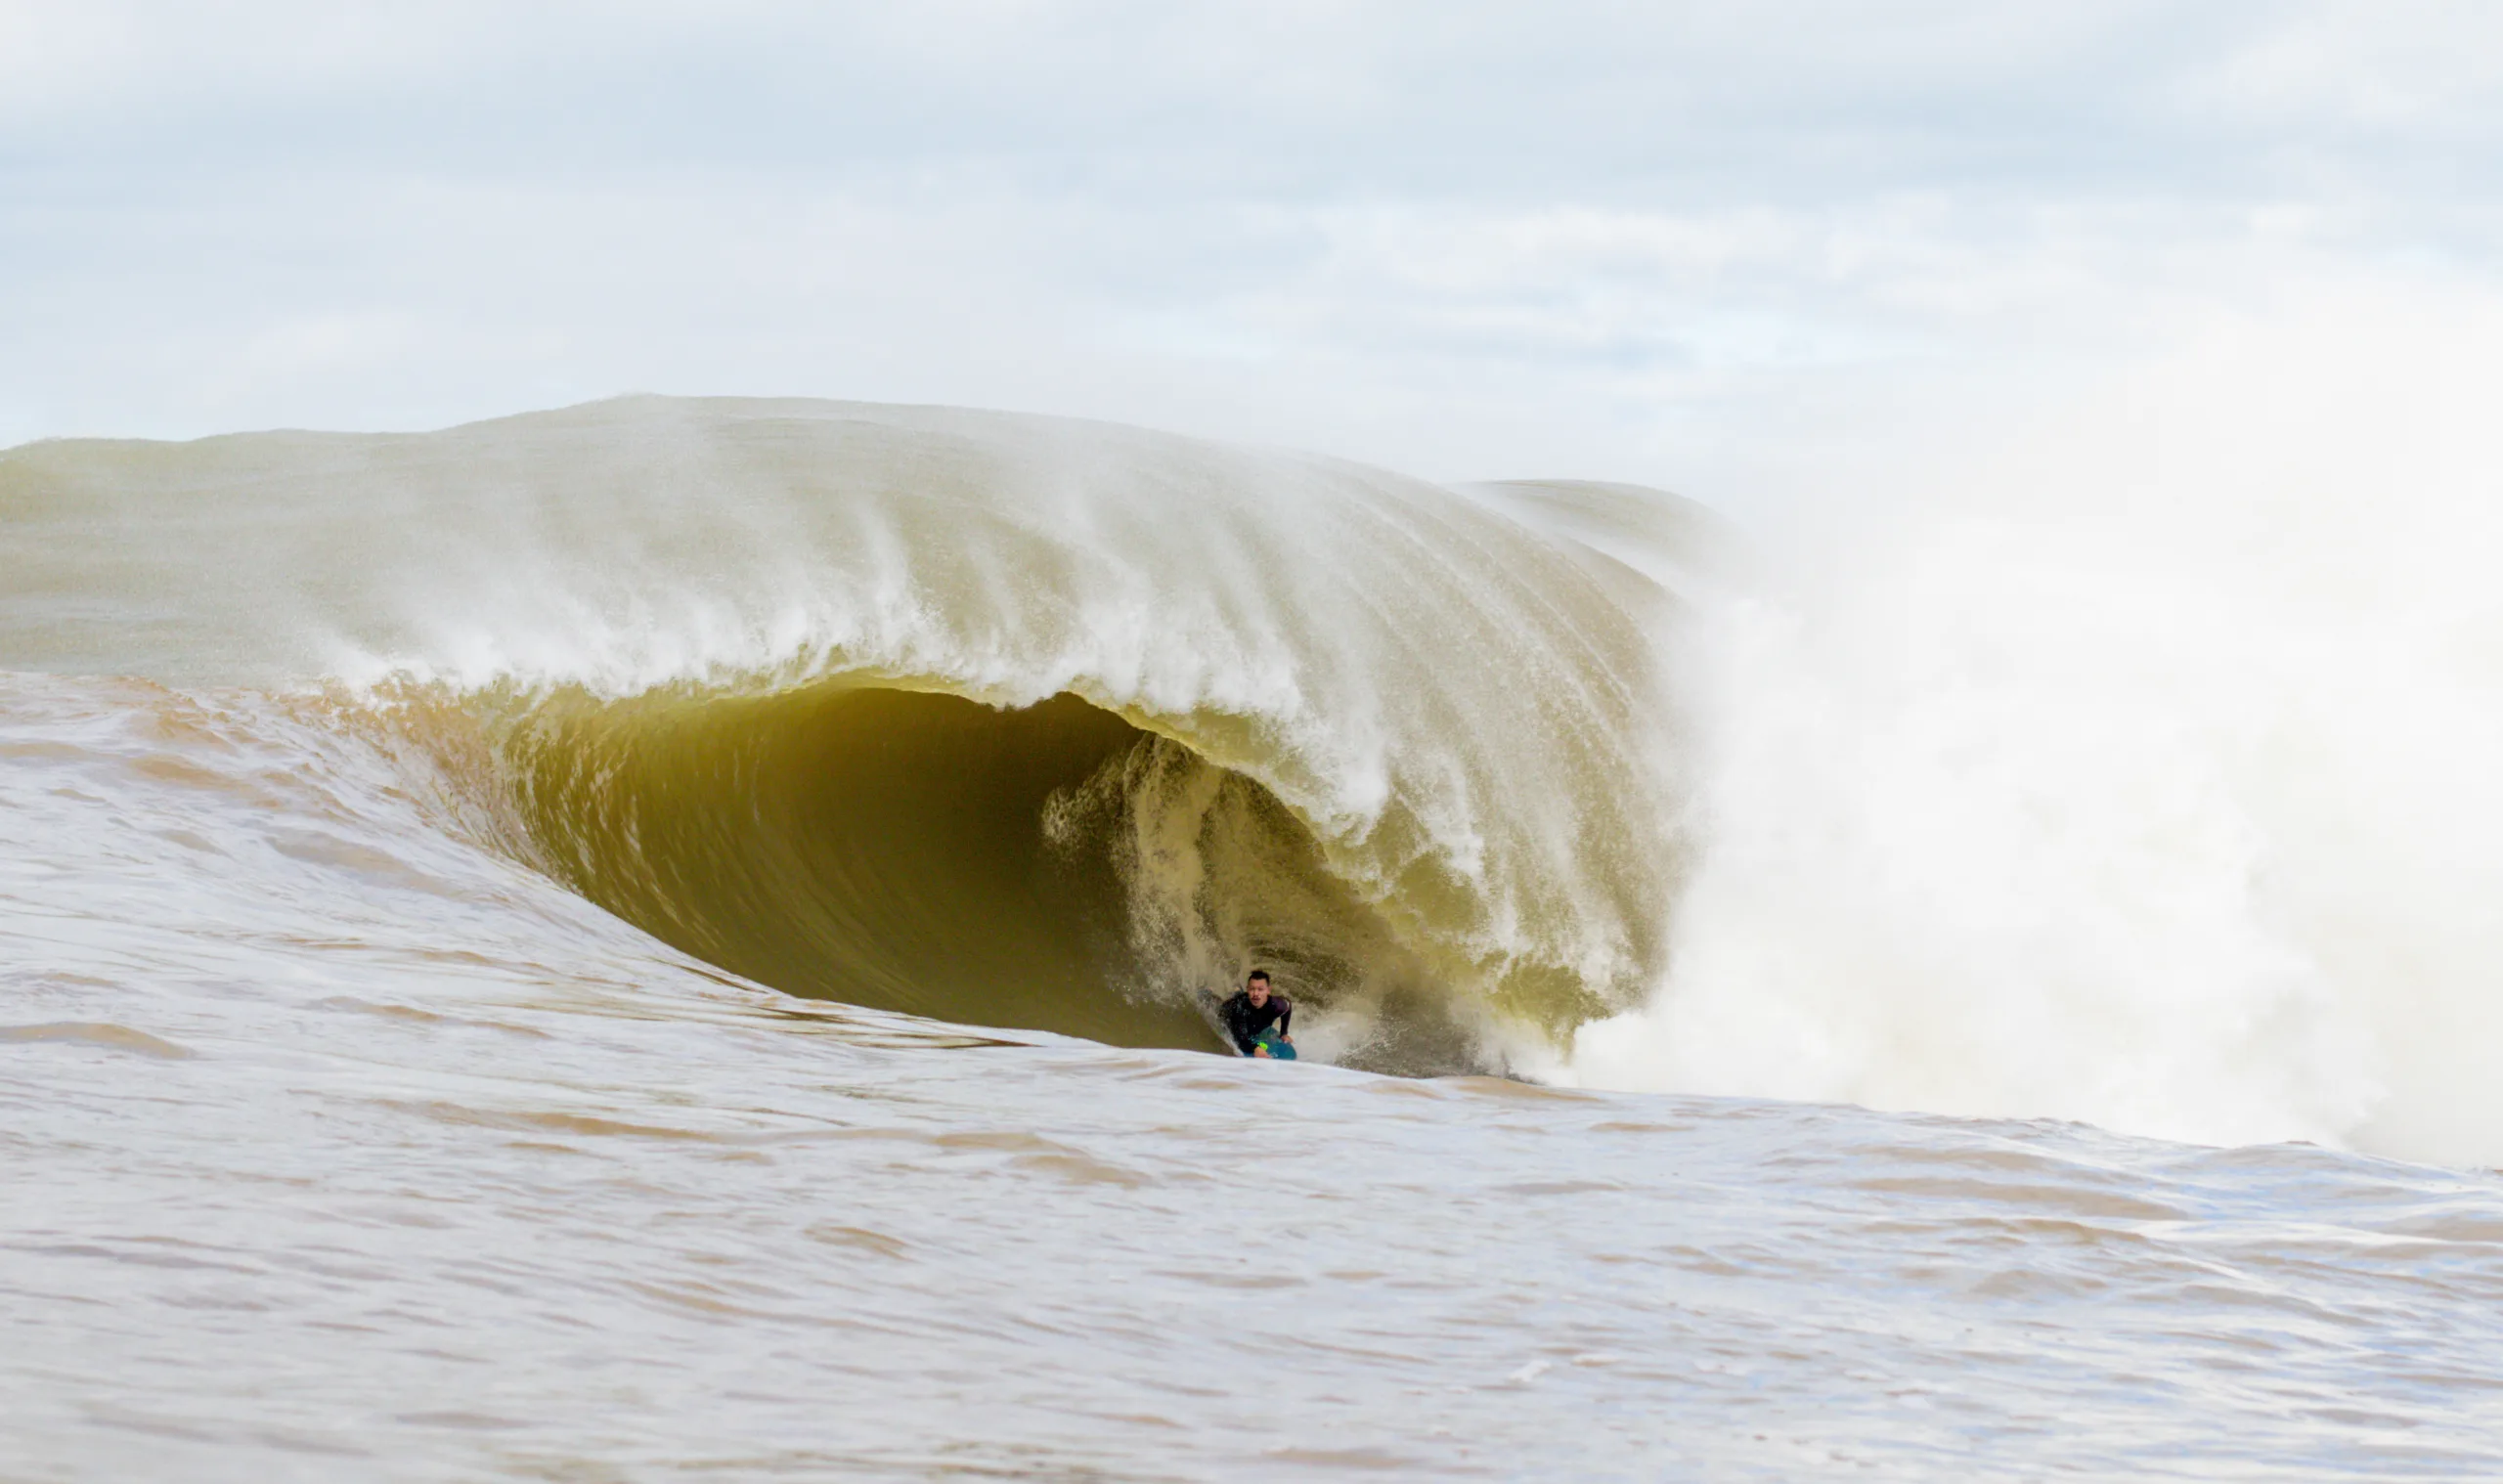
(1714, 247)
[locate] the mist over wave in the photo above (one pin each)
(2139, 770)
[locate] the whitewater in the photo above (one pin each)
(675, 937)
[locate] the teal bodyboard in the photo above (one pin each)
(1281, 1050)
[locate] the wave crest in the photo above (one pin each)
(927, 708)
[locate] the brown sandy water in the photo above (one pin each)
(644, 1066)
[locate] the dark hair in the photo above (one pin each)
(1262, 975)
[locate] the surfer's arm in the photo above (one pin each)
(1229, 1014)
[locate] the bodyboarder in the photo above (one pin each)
(1250, 1013)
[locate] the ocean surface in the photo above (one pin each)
(675, 939)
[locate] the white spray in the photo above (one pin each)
(2151, 775)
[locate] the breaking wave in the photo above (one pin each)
(2169, 811)
(1013, 721)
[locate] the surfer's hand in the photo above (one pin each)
(1259, 1051)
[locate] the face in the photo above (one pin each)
(1258, 990)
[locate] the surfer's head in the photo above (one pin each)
(1257, 986)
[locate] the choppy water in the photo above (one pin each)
(349, 1133)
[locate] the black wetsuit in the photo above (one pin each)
(1244, 1021)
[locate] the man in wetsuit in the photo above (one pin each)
(1250, 1013)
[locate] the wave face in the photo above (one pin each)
(1008, 721)
(924, 852)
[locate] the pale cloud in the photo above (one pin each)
(1673, 243)
(2431, 71)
